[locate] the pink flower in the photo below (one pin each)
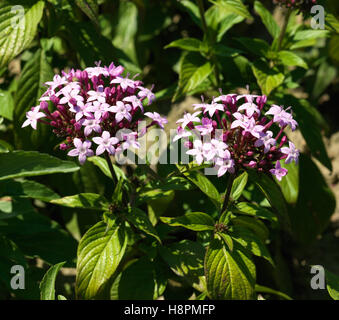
(181, 133)
(189, 118)
(124, 83)
(32, 117)
(250, 108)
(82, 150)
(155, 116)
(92, 124)
(292, 153)
(122, 111)
(206, 126)
(278, 171)
(57, 81)
(211, 108)
(282, 117)
(265, 140)
(146, 93)
(135, 101)
(98, 95)
(105, 143)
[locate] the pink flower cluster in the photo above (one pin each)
(233, 132)
(295, 3)
(89, 108)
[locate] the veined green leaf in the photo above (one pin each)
(18, 21)
(189, 44)
(185, 258)
(196, 221)
(267, 19)
(84, 201)
(289, 58)
(229, 274)
(27, 189)
(264, 289)
(290, 183)
(90, 8)
(18, 164)
(235, 6)
(193, 71)
(239, 185)
(255, 210)
(205, 185)
(99, 254)
(141, 221)
(255, 225)
(47, 290)
(250, 241)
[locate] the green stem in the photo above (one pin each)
(284, 28)
(228, 192)
(110, 166)
(207, 35)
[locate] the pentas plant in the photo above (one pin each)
(233, 132)
(90, 108)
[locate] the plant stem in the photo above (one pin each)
(110, 166)
(207, 35)
(228, 192)
(202, 16)
(284, 27)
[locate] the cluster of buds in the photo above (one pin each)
(299, 4)
(232, 133)
(92, 109)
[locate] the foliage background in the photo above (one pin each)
(166, 42)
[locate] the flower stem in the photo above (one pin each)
(110, 166)
(284, 28)
(228, 192)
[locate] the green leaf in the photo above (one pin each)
(224, 51)
(193, 71)
(19, 23)
(84, 201)
(229, 274)
(99, 254)
(268, 79)
(27, 189)
(126, 28)
(255, 210)
(7, 104)
(255, 225)
(227, 22)
(205, 185)
(256, 46)
(227, 239)
(149, 276)
(140, 220)
(90, 8)
(267, 19)
(310, 34)
(189, 44)
(10, 208)
(273, 194)
(235, 6)
(47, 290)
(196, 221)
(185, 258)
(289, 58)
(316, 203)
(39, 236)
(251, 242)
(290, 183)
(332, 284)
(309, 121)
(30, 88)
(263, 289)
(239, 185)
(192, 9)
(325, 75)
(31, 163)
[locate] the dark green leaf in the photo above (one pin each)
(289, 58)
(189, 44)
(47, 290)
(332, 284)
(267, 19)
(31, 163)
(84, 201)
(196, 221)
(239, 185)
